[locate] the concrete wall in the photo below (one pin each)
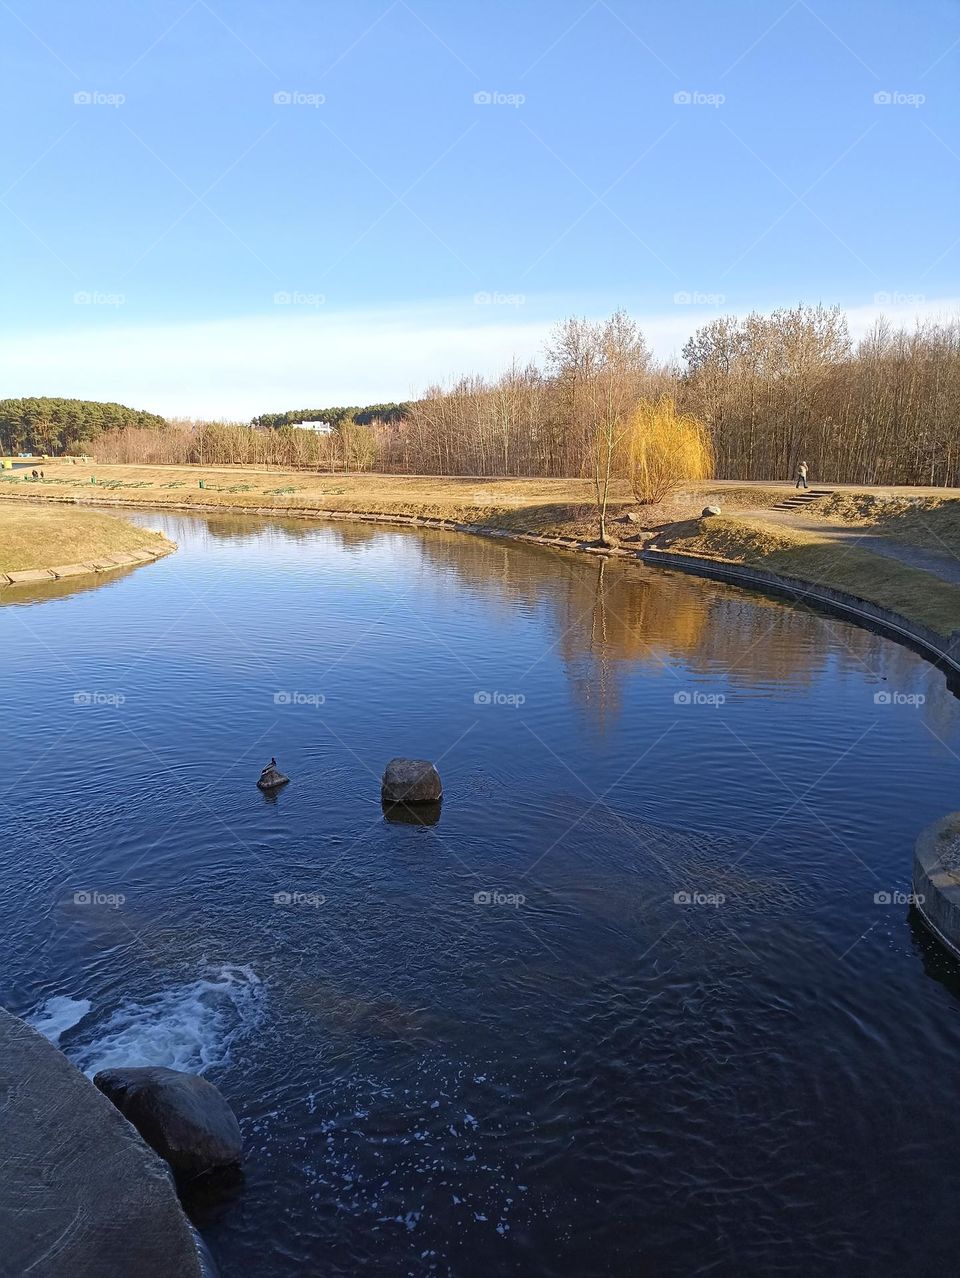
(936, 879)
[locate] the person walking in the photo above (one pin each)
(802, 474)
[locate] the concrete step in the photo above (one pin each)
(801, 499)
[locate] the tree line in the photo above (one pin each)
(772, 390)
(49, 425)
(769, 390)
(334, 416)
(186, 442)
(791, 386)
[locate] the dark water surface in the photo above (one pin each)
(574, 1073)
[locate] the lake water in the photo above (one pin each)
(631, 1007)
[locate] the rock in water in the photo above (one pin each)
(182, 1116)
(411, 781)
(271, 778)
(710, 510)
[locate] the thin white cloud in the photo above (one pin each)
(303, 357)
(236, 368)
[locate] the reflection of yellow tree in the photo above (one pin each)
(615, 615)
(610, 615)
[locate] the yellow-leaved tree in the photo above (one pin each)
(665, 449)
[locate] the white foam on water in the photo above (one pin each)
(57, 1015)
(191, 1027)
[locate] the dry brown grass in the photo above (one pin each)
(54, 536)
(911, 592)
(562, 507)
(922, 520)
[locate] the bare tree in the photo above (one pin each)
(599, 371)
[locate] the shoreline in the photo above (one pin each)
(85, 1196)
(941, 650)
(90, 567)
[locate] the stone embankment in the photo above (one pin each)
(83, 1196)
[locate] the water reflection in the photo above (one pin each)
(66, 586)
(610, 616)
(412, 814)
(424, 1065)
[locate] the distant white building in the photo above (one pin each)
(321, 428)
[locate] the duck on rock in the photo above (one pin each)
(271, 778)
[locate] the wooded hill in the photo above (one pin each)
(46, 425)
(335, 416)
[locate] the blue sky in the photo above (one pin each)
(220, 207)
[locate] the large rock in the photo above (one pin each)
(710, 510)
(182, 1116)
(411, 781)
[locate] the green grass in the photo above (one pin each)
(917, 595)
(51, 537)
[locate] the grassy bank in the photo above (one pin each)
(557, 506)
(931, 522)
(36, 537)
(551, 507)
(915, 594)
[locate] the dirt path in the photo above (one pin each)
(945, 566)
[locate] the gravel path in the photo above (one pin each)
(943, 565)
